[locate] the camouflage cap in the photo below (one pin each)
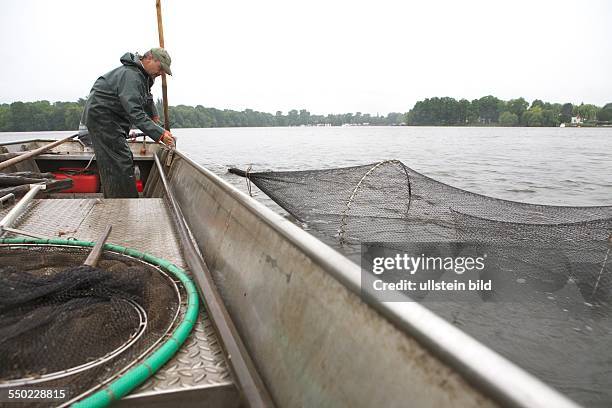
(162, 56)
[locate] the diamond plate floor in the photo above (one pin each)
(199, 371)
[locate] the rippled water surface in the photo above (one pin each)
(562, 166)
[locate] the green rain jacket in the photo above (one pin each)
(122, 97)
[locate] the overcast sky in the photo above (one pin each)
(327, 56)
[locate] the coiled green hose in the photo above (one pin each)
(139, 373)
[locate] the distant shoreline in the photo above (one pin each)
(487, 111)
(67, 131)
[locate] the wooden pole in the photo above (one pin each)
(160, 30)
(96, 252)
(33, 153)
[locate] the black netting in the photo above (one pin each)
(63, 325)
(550, 310)
(391, 202)
(534, 260)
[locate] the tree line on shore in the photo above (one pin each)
(199, 116)
(486, 111)
(490, 110)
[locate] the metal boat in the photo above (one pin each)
(284, 322)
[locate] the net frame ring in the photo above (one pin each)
(351, 199)
(132, 339)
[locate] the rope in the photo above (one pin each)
(248, 179)
(603, 265)
(89, 164)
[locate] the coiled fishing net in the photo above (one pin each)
(551, 266)
(73, 327)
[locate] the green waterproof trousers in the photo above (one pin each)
(114, 159)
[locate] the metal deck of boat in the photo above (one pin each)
(200, 366)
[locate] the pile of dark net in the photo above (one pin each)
(549, 310)
(56, 314)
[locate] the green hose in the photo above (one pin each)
(139, 373)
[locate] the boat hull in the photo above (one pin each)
(314, 339)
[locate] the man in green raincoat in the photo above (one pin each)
(119, 99)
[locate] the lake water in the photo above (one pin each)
(560, 166)
(537, 165)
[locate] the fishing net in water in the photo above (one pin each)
(551, 266)
(73, 327)
(394, 206)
